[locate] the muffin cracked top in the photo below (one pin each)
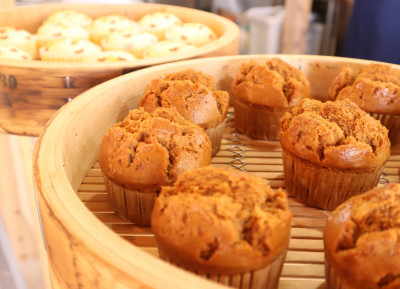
(194, 101)
(151, 149)
(192, 75)
(335, 134)
(274, 84)
(222, 221)
(375, 88)
(363, 238)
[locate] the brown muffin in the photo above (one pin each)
(192, 75)
(194, 101)
(375, 89)
(225, 225)
(362, 241)
(331, 151)
(263, 93)
(145, 151)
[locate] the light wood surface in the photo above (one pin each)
(7, 3)
(32, 91)
(22, 241)
(295, 26)
(89, 246)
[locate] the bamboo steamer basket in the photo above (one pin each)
(90, 247)
(32, 91)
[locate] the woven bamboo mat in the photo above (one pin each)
(304, 264)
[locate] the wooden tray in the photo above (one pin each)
(89, 246)
(32, 91)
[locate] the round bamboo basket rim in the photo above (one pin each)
(230, 33)
(60, 194)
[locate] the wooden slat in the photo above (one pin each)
(109, 218)
(306, 245)
(304, 263)
(232, 147)
(301, 283)
(295, 26)
(304, 257)
(93, 197)
(94, 172)
(391, 171)
(93, 180)
(275, 184)
(393, 178)
(395, 158)
(141, 241)
(249, 160)
(309, 222)
(151, 250)
(299, 270)
(129, 229)
(306, 233)
(92, 187)
(299, 211)
(392, 163)
(99, 206)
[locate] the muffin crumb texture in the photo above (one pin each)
(337, 134)
(194, 101)
(274, 84)
(375, 88)
(192, 75)
(152, 148)
(362, 238)
(222, 220)
(372, 216)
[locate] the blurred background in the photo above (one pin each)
(261, 21)
(364, 29)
